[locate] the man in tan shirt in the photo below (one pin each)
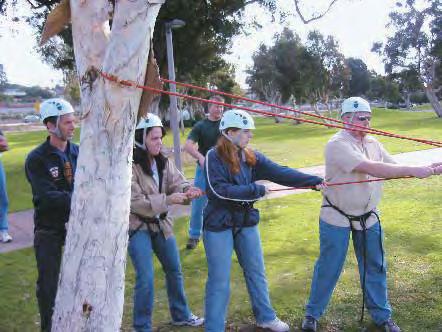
(351, 155)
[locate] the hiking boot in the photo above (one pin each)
(390, 326)
(193, 320)
(275, 325)
(5, 237)
(309, 324)
(192, 243)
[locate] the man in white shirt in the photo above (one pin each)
(352, 155)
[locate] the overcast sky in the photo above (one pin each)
(356, 24)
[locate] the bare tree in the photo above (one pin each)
(416, 45)
(315, 16)
(271, 95)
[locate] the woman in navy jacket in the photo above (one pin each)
(230, 220)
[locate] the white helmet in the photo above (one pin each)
(54, 107)
(236, 119)
(355, 104)
(151, 120)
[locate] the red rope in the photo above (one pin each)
(366, 130)
(344, 183)
(279, 107)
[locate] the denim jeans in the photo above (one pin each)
(196, 216)
(48, 250)
(141, 246)
(3, 200)
(219, 248)
(334, 242)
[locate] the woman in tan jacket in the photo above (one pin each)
(156, 184)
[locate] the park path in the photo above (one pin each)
(21, 226)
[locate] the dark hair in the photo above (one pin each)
(51, 119)
(141, 157)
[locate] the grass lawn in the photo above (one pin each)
(295, 146)
(423, 107)
(411, 220)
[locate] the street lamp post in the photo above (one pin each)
(174, 24)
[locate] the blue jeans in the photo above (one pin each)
(219, 247)
(4, 203)
(141, 246)
(334, 242)
(196, 216)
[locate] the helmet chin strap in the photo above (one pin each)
(57, 131)
(236, 141)
(142, 146)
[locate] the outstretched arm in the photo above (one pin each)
(383, 170)
(283, 175)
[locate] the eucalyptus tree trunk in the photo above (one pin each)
(434, 100)
(91, 288)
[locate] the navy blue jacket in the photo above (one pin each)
(51, 175)
(227, 192)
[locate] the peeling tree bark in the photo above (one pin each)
(91, 288)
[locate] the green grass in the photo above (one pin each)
(411, 215)
(294, 146)
(289, 231)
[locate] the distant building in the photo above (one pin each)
(14, 93)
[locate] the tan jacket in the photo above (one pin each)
(147, 201)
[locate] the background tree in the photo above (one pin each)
(313, 72)
(279, 66)
(416, 45)
(277, 74)
(331, 73)
(408, 83)
(3, 78)
(359, 82)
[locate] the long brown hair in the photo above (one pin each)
(228, 152)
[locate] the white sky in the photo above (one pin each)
(356, 24)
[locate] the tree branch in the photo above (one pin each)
(47, 4)
(314, 18)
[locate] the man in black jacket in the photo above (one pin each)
(50, 170)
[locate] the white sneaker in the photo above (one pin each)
(5, 237)
(275, 325)
(193, 320)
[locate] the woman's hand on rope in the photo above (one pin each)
(194, 192)
(177, 198)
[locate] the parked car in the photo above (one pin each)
(31, 118)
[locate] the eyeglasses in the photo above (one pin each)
(364, 118)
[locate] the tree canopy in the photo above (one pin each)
(312, 71)
(416, 45)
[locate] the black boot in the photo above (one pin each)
(309, 324)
